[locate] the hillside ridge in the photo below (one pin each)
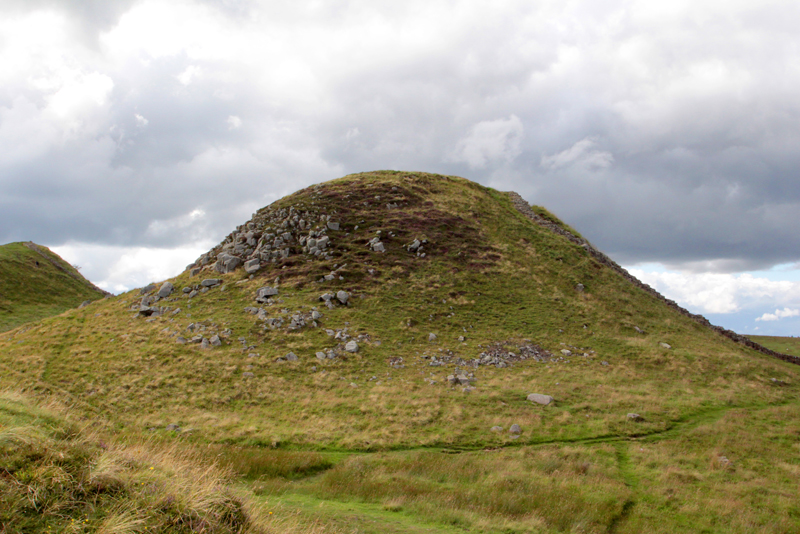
(522, 205)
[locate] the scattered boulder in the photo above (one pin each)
(315, 315)
(263, 294)
(496, 429)
(173, 428)
(351, 346)
(205, 343)
(515, 429)
(211, 282)
(566, 352)
(149, 288)
(85, 303)
(414, 246)
(579, 288)
(539, 398)
(431, 337)
(252, 266)
(165, 290)
(342, 296)
(459, 379)
(635, 417)
(227, 263)
(292, 357)
(333, 226)
(665, 345)
(247, 374)
(215, 340)
(321, 355)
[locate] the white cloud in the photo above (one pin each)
(141, 121)
(580, 154)
(779, 314)
(490, 141)
(234, 122)
(188, 75)
(719, 292)
(119, 269)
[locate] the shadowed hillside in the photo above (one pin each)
(414, 347)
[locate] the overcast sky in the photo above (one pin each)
(135, 134)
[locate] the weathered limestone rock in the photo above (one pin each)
(211, 282)
(342, 296)
(227, 263)
(165, 290)
(351, 346)
(539, 398)
(252, 266)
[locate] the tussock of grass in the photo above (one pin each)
(56, 478)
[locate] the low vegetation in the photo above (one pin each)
(640, 436)
(36, 283)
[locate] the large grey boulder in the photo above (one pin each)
(321, 355)
(343, 296)
(227, 263)
(165, 290)
(515, 429)
(292, 357)
(252, 266)
(539, 398)
(351, 346)
(333, 225)
(211, 282)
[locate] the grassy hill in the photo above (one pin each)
(461, 308)
(36, 283)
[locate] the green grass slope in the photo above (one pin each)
(36, 283)
(381, 434)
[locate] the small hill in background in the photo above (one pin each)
(36, 283)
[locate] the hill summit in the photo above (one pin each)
(36, 283)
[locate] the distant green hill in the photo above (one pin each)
(36, 283)
(406, 352)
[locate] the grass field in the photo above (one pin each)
(786, 345)
(379, 440)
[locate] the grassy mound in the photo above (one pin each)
(416, 425)
(36, 283)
